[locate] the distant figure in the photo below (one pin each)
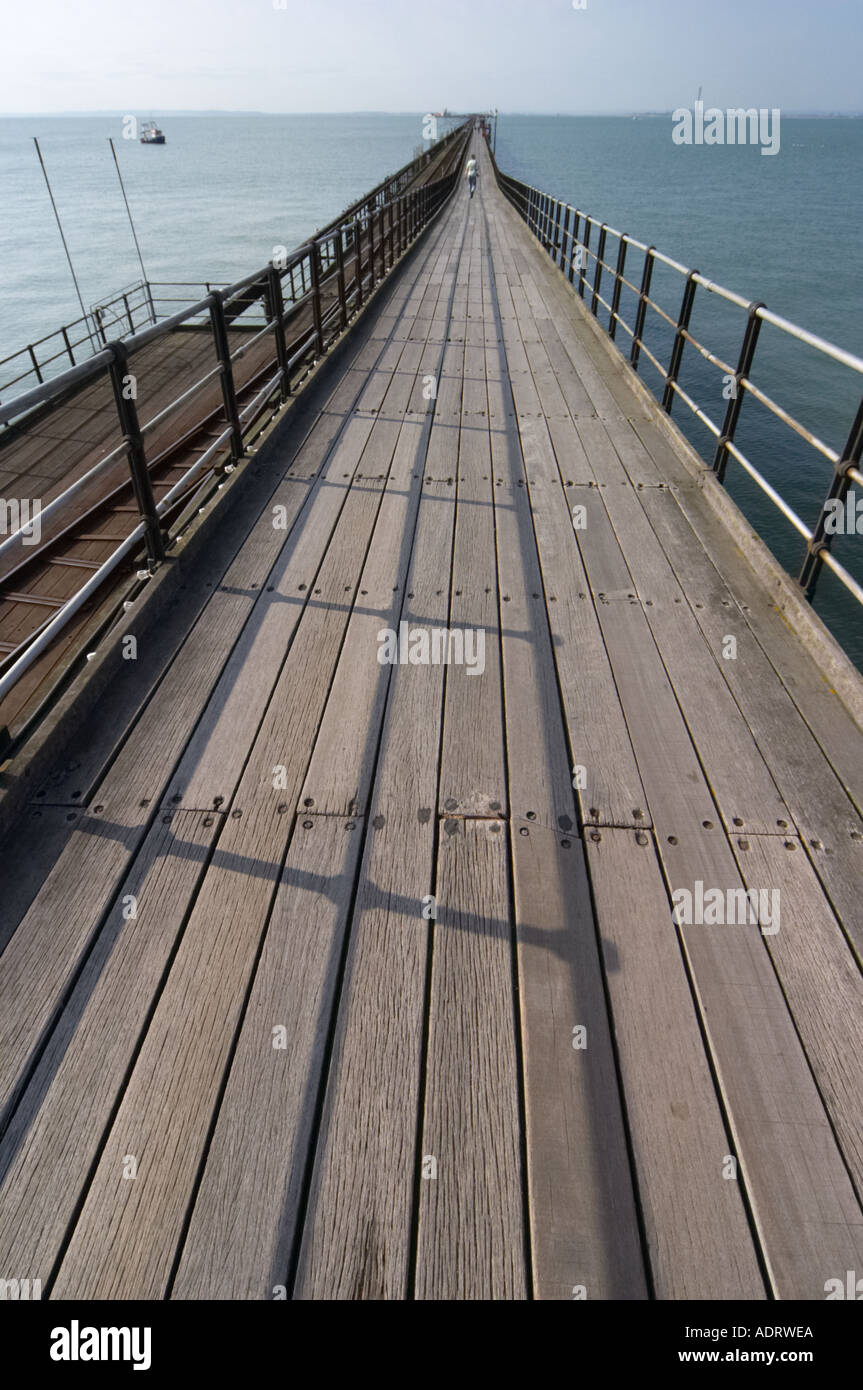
(471, 175)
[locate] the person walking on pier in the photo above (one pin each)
(471, 175)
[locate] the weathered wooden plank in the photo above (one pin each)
(742, 785)
(698, 1238)
(805, 1209)
(56, 1132)
(244, 1220)
(357, 1235)
(819, 978)
(585, 1240)
(471, 1242)
(472, 764)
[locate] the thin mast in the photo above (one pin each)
(60, 228)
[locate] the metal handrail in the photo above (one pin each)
(383, 192)
(378, 233)
(544, 214)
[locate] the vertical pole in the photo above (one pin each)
(358, 261)
(643, 295)
(563, 237)
(226, 369)
(277, 315)
(36, 367)
(340, 278)
(679, 341)
(60, 228)
(129, 314)
(68, 346)
(582, 279)
(133, 439)
(597, 279)
(822, 539)
(735, 404)
(575, 221)
(618, 285)
(556, 248)
(315, 273)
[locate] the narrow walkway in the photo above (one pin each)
(351, 979)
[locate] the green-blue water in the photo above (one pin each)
(224, 191)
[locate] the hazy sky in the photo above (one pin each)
(414, 55)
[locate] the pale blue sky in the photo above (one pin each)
(414, 55)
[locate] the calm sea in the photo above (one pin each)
(215, 200)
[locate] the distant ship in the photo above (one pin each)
(152, 135)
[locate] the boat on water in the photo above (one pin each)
(152, 135)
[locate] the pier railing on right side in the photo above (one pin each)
(566, 233)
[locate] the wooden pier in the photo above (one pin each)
(325, 977)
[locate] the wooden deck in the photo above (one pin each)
(343, 979)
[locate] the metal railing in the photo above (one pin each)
(126, 311)
(566, 232)
(304, 302)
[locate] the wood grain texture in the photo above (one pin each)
(584, 1223)
(471, 1242)
(244, 1220)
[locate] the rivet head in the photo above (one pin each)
(640, 838)
(595, 836)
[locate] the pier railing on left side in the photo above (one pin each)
(302, 301)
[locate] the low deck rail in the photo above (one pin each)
(565, 232)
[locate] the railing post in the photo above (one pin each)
(573, 242)
(597, 278)
(563, 236)
(735, 403)
(223, 353)
(277, 314)
(556, 246)
(36, 366)
(68, 346)
(643, 295)
(129, 314)
(340, 279)
(582, 279)
(358, 260)
(679, 341)
(822, 539)
(142, 484)
(382, 240)
(314, 272)
(618, 285)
